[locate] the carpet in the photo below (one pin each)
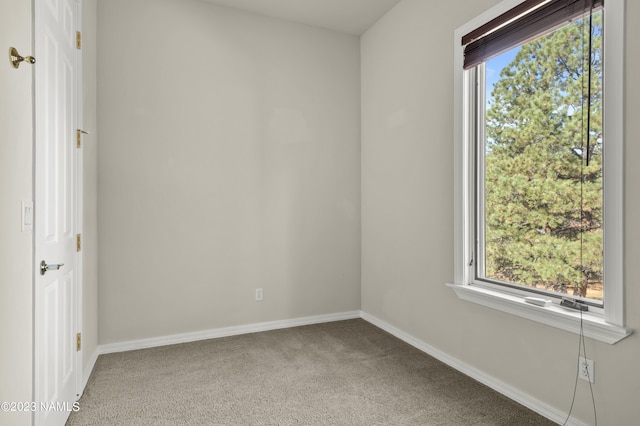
(339, 373)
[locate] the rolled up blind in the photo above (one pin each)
(525, 22)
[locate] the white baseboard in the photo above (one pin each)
(517, 395)
(223, 332)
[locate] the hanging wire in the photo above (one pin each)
(586, 57)
(581, 341)
(575, 385)
(587, 52)
(590, 72)
(589, 84)
(582, 349)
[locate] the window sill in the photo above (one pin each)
(593, 326)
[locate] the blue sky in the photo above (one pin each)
(494, 66)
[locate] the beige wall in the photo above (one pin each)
(407, 220)
(16, 143)
(228, 161)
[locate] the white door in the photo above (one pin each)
(57, 213)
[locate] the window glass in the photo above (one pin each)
(540, 152)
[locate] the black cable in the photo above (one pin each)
(582, 349)
(575, 385)
(590, 72)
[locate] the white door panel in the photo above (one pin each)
(57, 220)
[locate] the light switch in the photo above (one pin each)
(27, 216)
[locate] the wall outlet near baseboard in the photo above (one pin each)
(586, 369)
(258, 294)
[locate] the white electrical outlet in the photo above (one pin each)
(586, 369)
(258, 294)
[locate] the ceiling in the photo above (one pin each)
(346, 16)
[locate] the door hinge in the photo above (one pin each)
(78, 341)
(78, 242)
(79, 133)
(78, 40)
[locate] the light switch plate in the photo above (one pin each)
(27, 215)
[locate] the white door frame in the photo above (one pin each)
(77, 185)
(79, 210)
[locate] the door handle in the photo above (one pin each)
(53, 267)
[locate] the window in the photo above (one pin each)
(539, 160)
(538, 163)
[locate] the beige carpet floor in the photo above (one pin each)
(340, 373)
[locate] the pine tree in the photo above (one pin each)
(543, 185)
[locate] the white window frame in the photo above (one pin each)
(605, 325)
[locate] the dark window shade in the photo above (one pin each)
(494, 37)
